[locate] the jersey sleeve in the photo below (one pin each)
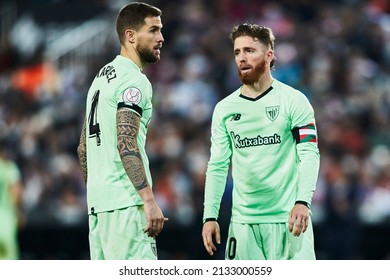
(303, 126)
(218, 166)
(134, 96)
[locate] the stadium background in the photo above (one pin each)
(337, 52)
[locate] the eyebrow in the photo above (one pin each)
(244, 48)
(155, 26)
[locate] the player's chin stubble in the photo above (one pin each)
(147, 55)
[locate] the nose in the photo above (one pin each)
(160, 38)
(240, 57)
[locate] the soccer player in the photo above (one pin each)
(124, 218)
(267, 131)
(11, 192)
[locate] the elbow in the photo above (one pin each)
(81, 150)
(308, 149)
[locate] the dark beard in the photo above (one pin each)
(147, 55)
(254, 76)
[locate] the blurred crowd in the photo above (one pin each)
(336, 52)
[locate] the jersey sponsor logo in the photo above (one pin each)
(236, 117)
(132, 96)
(108, 72)
(272, 112)
(256, 141)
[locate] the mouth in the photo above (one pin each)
(157, 49)
(245, 69)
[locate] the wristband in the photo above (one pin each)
(303, 203)
(209, 220)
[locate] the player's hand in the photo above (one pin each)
(155, 219)
(298, 219)
(209, 232)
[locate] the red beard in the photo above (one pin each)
(252, 76)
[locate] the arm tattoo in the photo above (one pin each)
(82, 152)
(127, 124)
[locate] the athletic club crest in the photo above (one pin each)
(272, 112)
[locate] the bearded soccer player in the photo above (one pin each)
(267, 130)
(124, 218)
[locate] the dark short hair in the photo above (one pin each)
(262, 33)
(133, 16)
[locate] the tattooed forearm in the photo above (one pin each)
(82, 153)
(127, 129)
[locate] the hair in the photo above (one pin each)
(132, 16)
(262, 33)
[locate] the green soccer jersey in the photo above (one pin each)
(9, 174)
(119, 83)
(271, 144)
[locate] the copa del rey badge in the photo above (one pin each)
(132, 96)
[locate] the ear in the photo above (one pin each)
(270, 55)
(130, 35)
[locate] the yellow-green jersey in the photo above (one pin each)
(118, 84)
(271, 144)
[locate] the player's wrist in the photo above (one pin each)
(209, 220)
(302, 203)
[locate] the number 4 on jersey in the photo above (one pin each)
(94, 128)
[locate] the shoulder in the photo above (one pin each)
(286, 89)
(11, 169)
(133, 78)
(290, 93)
(228, 100)
(8, 163)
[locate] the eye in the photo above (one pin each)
(154, 30)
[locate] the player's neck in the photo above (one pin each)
(257, 88)
(130, 53)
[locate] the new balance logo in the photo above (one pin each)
(236, 117)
